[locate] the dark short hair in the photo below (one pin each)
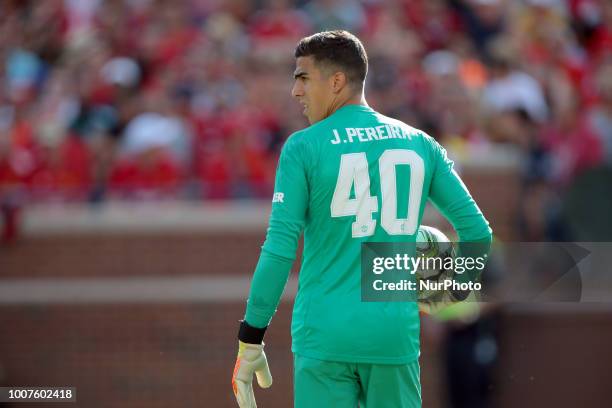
(336, 49)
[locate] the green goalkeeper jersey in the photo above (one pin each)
(356, 176)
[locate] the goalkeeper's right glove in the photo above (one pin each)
(251, 360)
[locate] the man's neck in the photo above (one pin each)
(339, 102)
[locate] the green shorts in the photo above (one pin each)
(319, 383)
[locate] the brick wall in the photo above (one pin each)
(181, 354)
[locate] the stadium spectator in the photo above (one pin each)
(77, 80)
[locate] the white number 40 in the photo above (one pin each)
(354, 172)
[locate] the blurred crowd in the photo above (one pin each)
(190, 99)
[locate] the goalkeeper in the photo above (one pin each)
(353, 176)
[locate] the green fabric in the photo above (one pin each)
(330, 322)
(319, 383)
(269, 280)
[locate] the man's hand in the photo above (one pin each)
(251, 359)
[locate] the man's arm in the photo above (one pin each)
(289, 206)
(452, 198)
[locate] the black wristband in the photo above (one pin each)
(250, 334)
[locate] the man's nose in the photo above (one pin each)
(297, 90)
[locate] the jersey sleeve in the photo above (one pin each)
(453, 200)
(287, 219)
(290, 201)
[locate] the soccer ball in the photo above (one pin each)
(433, 245)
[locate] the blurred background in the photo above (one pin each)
(138, 146)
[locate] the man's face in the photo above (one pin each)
(312, 88)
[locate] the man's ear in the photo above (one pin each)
(338, 81)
